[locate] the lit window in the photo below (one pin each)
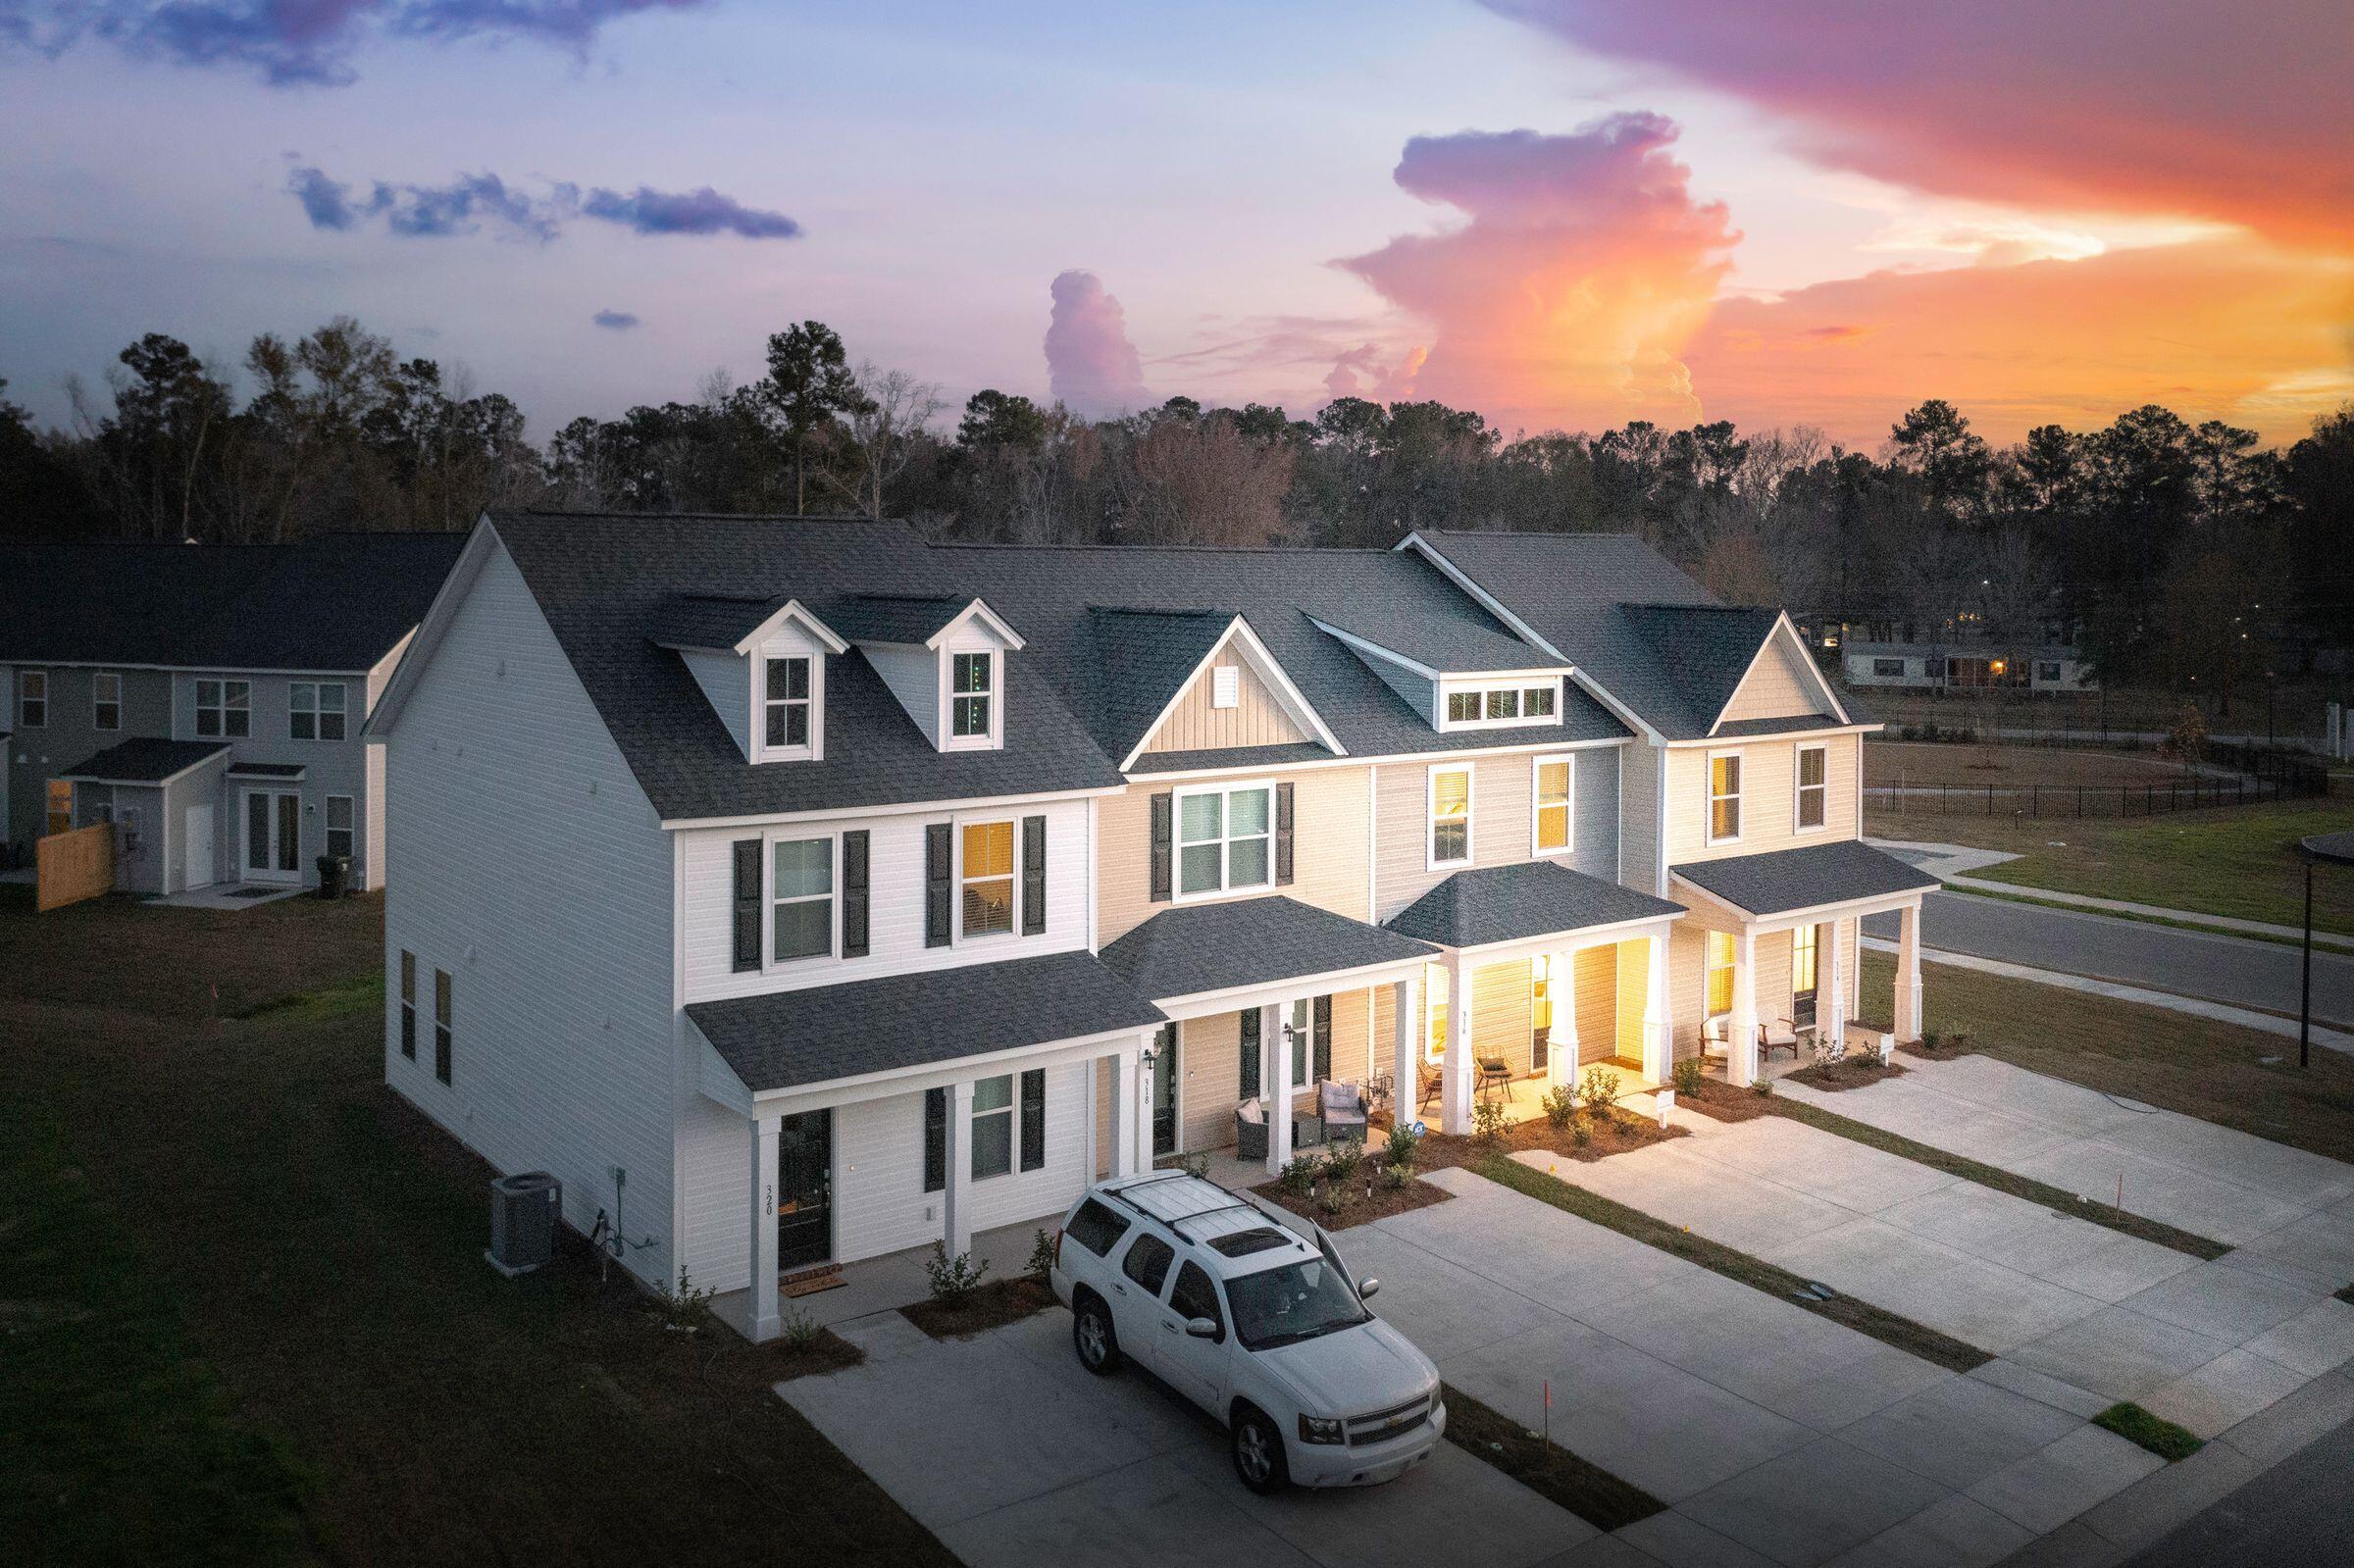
(787, 700)
(224, 709)
(338, 825)
(801, 882)
(106, 701)
(314, 710)
(1803, 960)
(972, 687)
(1224, 840)
(993, 1125)
(988, 879)
(1434, 1030)
(1720, 973)
(1724, 797)
(1553, 805)
(1814, 789)
(1449, 816)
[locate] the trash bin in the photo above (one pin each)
(334, 876)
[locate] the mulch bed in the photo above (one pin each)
(1937, 1047)
(1357, 1207)
(826, 1351)
(991, 1305)
(1721, 1100)
(1549, 1470)
(1857, 1070)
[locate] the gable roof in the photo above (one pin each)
(1190, 949)
(145, 760)
(1526, 899)
(893, 617)
(1702, 652)
(1444, 647)
(1786, 880)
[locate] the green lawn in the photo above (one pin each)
(2235, 862)
(249, 1317)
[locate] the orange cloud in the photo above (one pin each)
(2228, 328)
(1566, 296)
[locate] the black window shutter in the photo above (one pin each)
(935, 1139)
(1034, 876)
(1163, 832)
(1321, 1025)
(853, 893)
(1283, 835)
(1250, 1020)
(748, 904)
(935, 885)
(1034, 1118)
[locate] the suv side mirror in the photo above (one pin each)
(1366, 1288)
(1201, 1328)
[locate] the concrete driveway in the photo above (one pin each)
(1012, 1454)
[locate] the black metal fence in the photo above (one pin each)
(2287, 780)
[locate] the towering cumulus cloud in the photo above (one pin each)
(1566, 296)
(1090, 363)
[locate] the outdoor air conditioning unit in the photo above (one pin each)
(523, 1210)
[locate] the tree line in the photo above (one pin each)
(2174, 549)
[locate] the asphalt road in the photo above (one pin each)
(2245, 973)
(2298, 1513)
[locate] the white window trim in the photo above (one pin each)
(200, 707)
(96, 679)
(26, 698)
(815, 750)
(1707, 798)
(318, 710)
(1225, 888)
(1521, 721)
(957, 827)
(770, 963)
(1013, 1112)
(1536, 768)
(950, 741)
(327, 825)
(1430, 816)
(1798, 789)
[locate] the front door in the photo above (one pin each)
(1540, 1014)
(60, 807)
(1804, 970)
(1164, 1092)
(804, 1189)
(273, 846)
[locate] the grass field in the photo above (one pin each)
(249, 1317)
(2217, 1072)
(2239, 863)
(1899, 764)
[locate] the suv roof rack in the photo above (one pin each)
(1178, 1203)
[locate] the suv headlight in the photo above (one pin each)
(1315, 1429)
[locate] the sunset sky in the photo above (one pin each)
(1562, 213)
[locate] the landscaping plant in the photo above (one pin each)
(1403, 1143)
(1041, 1254)
(1300, 1176)
(1559, 1106)
(1340, 1160)
(954, 1279)
(1599, 1087)
(800, 1332)
(1489, 1122)
(1688, 1076)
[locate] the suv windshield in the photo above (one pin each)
(1297, 1302)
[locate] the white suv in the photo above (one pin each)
(1226, 1303)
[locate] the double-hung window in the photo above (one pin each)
(408, 1005)
(339, 836)
(1720, 973)
(987, 879)
(1225, 839)
(314, 710)
(1813, 787)
(32, 699)
(442, 1024)
(106, 700)
(1449, 816)
(1552, 832)
(993, 1125)
(786, 704)
(224, 709)
(971, 688)
(1725, 796)
(801, 898)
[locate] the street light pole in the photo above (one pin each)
(2305, 1003)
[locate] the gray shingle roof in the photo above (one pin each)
(1516, 903)
(710, 620)
(1192, 949)
(1785, 880)
(144, 761)
(1741, 729)
(786, 1040)
(892, 617)
(1160, 762)
(1451, 648)
(1701, 650)
(1142, 658)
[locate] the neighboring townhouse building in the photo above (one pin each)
(207, 700)
(797, 891)
(1967, 667)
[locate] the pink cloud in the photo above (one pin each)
(1567, 294)
(2240, 113)
(1091, 365)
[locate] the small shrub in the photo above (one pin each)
(1599, 1087)
(1340, 1160)
(1395, 1176)
(1559, 1106)
(1489, 1122)
(954, 1279)
(1195, 1165)
(1300, 1176)
(687, 1304)
(1763, 1089)
(1329, 1202)
(1581, 1134)
(800, 1332)
(1041, 1254)
(1688, 1076)
(1404, 1143)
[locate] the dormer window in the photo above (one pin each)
(1501, 704)
(788, 705)
(973, 687)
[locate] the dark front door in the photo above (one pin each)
(804, 1189)
(1164, 1092)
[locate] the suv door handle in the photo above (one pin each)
(1167, 1326)
(1118, 1289)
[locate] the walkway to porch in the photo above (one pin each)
(892, 1281)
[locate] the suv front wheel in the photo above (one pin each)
(1092, 1336)
(1259, 1457)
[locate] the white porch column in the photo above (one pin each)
(1405, 1077)
(1658, 1029)
(1276, 1082)
(1123, 1110)
(1741, 1060)
(1459, 1082)
(765, 1323)
(1088, 1096)
(956, 1198)
(1834, 1027)
(1561, 992)
(1908, 971)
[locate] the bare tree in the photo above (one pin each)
(893, 408)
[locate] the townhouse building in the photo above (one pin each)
(799, 892)
(206, 700)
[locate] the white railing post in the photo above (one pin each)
(763, 1320)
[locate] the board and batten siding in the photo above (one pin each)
(1777, 687)
(895, 901)
(1197, 723)
(1768, 772)
(528, 863)
(1329, 848)
(1502, 786)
